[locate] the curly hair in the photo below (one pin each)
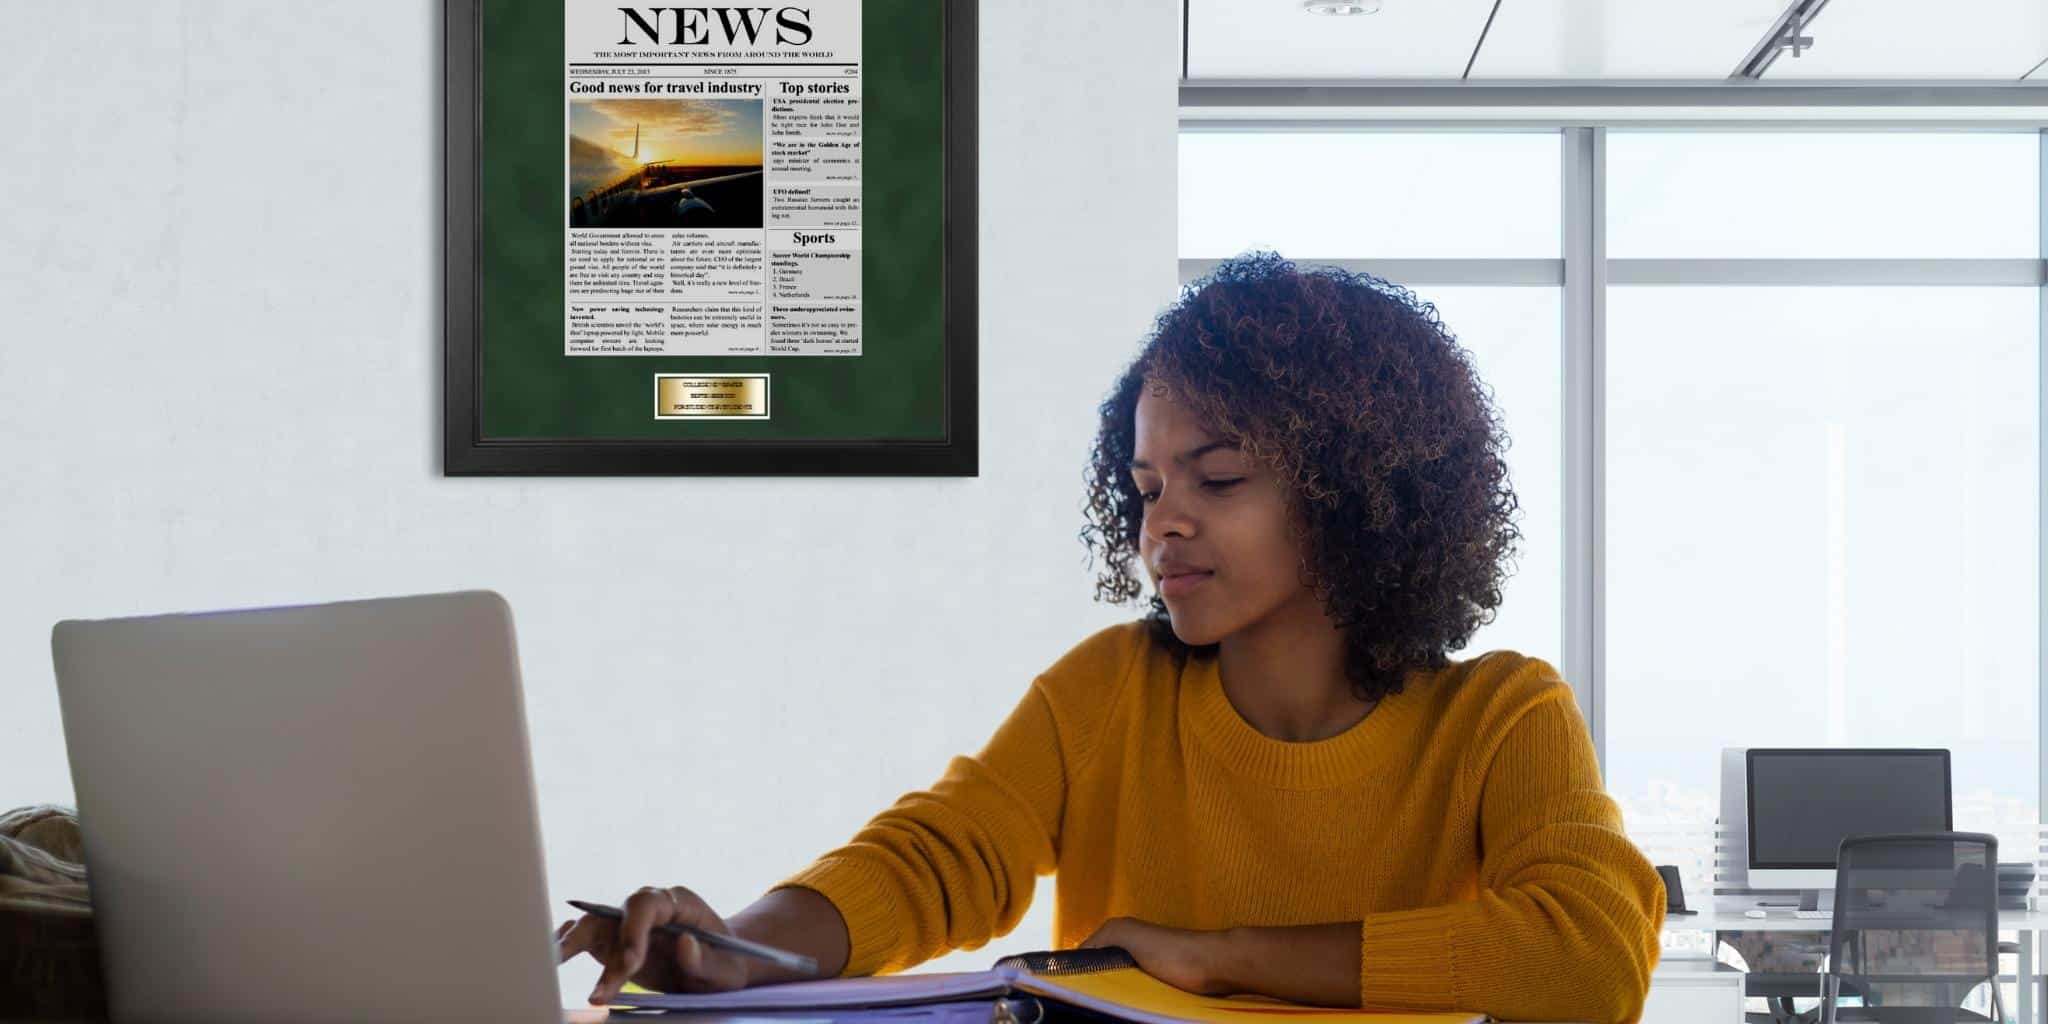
(1359, 398)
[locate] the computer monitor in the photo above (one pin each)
(1801, 802)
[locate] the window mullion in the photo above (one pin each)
(1584, 358)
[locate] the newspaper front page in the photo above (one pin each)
(713, 168)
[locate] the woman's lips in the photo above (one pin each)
(1175, 586)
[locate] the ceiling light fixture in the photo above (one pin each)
(1341, 6)
(1789, 32)
(1791, 39)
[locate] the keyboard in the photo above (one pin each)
(1814, 915)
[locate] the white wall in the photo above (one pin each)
(220, 305)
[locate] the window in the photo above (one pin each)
(1791, 195)
(1821, 532)
(1369, 195)
(1820, 518)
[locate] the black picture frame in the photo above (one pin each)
(467, 452)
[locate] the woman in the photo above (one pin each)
(1277, 781)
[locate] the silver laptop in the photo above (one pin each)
(315, 813)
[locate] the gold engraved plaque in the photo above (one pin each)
(725, 396)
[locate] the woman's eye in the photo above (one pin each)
(1148, 497)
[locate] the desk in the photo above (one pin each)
(1725, 914)
(1693, 990)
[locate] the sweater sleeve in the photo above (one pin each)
(1566, 922)
(954, 865)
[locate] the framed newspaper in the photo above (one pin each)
(710, 239)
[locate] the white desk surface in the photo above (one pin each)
(1725, 914)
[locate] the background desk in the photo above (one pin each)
(1725, 914)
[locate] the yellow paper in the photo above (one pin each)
(1137, 990)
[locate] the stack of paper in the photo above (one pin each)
(1122, 992)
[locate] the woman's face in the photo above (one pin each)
(1215, 540)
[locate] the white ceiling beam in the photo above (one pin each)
(1890, 93)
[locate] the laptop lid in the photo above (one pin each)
(314, 813)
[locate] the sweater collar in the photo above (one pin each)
(1347, 757)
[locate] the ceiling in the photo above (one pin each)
(1449, 40)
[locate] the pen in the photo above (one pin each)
(779, 957)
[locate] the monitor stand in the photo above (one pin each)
(1817, 899)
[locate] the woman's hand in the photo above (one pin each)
(1185, 958)
(632, 950)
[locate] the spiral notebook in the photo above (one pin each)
(1100, 980)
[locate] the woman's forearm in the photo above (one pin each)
(1312, 964)
(1316, 964)
(796, 919)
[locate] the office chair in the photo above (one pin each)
(1778, 991)
(1915, 928)
(1779, 967)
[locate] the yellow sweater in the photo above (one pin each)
(1463, 821)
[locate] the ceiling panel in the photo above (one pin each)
(1279, 39)
(1643, 39)
(1996, 40)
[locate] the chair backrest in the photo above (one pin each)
(1916, 910)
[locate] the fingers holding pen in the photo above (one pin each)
(646, 941)
(646, 909)
(700, 966)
